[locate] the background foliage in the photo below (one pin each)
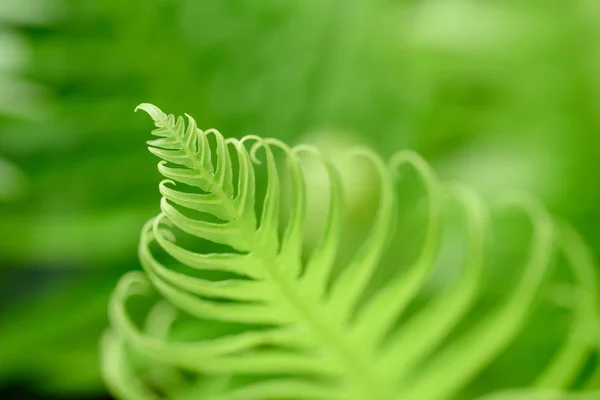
(501, 94)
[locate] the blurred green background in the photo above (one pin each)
(501, 94)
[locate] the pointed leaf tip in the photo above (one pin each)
(154, 112)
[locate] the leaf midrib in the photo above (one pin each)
(348, 359)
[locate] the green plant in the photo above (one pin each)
(263, 317)
(459, 81)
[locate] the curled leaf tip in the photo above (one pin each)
(154, 112)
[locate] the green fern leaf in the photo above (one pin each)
(305, 329)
